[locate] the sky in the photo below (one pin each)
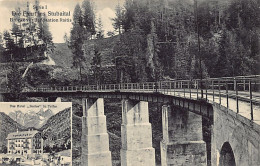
(24, 107)
(103, 8)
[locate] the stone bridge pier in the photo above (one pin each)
(182, 142)
(136, 135)
(95, 140)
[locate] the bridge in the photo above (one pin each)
(231, 104)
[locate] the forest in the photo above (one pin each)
(188, 39)
(153, 40)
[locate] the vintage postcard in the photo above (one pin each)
(130, 82)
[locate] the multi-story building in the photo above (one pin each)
(25, 142)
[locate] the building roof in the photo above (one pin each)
(22, 134)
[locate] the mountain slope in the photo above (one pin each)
(57, 130)
(31, 118)
(7, 125)
(62, 55)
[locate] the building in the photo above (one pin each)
(25, 142)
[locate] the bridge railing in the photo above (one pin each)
(220, 90)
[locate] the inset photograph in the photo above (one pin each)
(35, 133)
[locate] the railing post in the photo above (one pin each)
(174, 88)
(236, 89)
(227, 92)
(190, 87)
(170, 86)
(244, 84)
(251, 103)
(197, 89)
(164, 88)
(206, 82)
(167, 87)
(219, 92)
(183, 89)
(213, 90)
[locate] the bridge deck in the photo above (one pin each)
(240, 94)
(238, 103)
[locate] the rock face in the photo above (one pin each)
(7, 125)
(31, 118)
(57, 130)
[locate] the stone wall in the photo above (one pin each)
(242, 134)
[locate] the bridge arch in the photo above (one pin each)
(227, 157)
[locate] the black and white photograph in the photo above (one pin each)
(35, 133)
(130, 82)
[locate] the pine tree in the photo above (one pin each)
(77, 40)
(222, 66)
(96, 66)
(16, 29)
(118, 20)
(88, 17)
(44, 35)
(153, 64)
(9, 46)
(29, 28)
(100, 31)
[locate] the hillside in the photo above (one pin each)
(62, 55)
(57, 130)
(7, 125)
